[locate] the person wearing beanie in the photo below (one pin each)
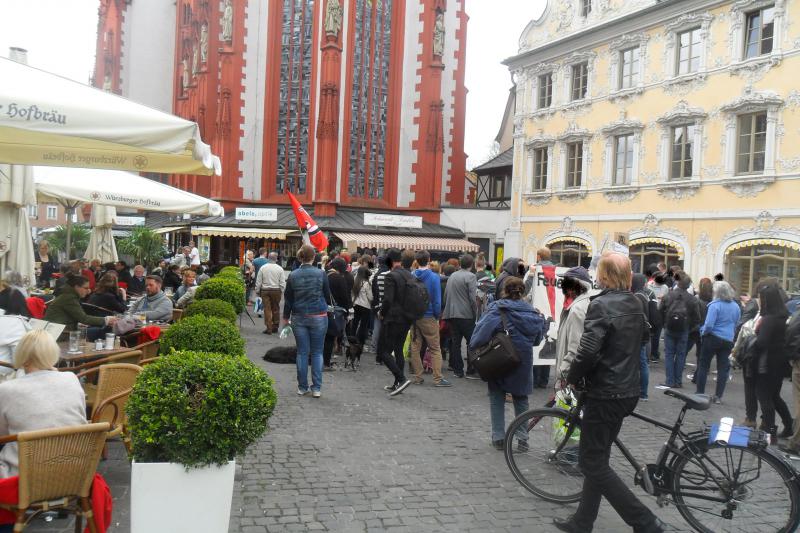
(576, 286)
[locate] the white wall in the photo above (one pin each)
(485, 223)
(148, 52)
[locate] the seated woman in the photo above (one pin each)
(107, 298)
(43, 398)
(12, 299)
(66, 308)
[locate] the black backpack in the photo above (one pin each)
(415, 297)
(677, 315)
(792, 342)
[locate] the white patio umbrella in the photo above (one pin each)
(73, 186)
(49, 120)
(101, 241)
(16, 244)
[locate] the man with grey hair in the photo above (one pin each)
(270, 283)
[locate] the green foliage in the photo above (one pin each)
(231, 272)
(198, 409)
(203, 334)
(144, 244)
(215, 308)
(223, 288)
(80, 239)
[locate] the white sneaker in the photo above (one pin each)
(301, 392)
(316, 394)
(400, 388)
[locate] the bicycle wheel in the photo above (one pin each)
(548, 465)
(754, 490)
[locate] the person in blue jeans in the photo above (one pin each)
(718, 335)
(305, 307)
(680, 313)
(640, 290)
(526, 327)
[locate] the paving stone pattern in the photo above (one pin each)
(358, 461)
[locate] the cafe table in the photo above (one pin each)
(88, 353)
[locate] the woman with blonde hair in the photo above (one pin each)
(42, 398)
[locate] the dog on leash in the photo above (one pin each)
(282, 355)
(353, 353)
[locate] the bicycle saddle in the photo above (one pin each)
(699, 402)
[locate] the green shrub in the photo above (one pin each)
(225, 289)
(198, 409)
(231, 272)
(202, 333)
(215, 308)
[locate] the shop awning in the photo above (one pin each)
(171, 229)
(366, 240)
(578, 240)
(247, 233)
(763, 242)
(657, 240)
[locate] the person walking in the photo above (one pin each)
(526, 327)
(427, 327)
(362, 303)
(460, 312)
(717, 333)
(378, 282)
(679, 314)
(608, 362)
(705, 294)
(305, 307)
(270, 283)
(658, 285)
(575, 285)
(341, 289)
(650, 310)
(395, 324)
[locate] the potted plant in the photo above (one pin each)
(212, 307)
(203, 334)
(190, 415)
(224, 288)
(144, 245)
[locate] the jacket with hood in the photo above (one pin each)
(526, 328)
(433, 283)
(510, 268)
(570, 329)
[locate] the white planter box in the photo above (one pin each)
(166, 497)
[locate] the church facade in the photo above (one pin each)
(346, 103)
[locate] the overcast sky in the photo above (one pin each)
(60, 37)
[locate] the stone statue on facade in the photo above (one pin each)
(333, 18)
(204, 43)
(195, 60)
(107, 83)
(227, 22)
(438, 35)
(184, 74)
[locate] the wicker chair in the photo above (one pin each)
(177, 314)
(149, 349)
(56, 471)
(145, 362)
(132, 358)
(112, 379)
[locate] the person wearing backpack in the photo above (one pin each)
(650, 310)
(460, 312)
(679, 314)
(717, 334)
(398, 311)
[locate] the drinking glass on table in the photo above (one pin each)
(74, 341)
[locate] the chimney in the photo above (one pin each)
(20, 55)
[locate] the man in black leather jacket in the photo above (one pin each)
(608, 361)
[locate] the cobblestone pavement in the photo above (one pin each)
(358, 461)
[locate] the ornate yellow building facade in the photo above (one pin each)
(672, 126)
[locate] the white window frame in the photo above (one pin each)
(752, 103)
(611, 132)
(624, 43)
(682, 115)
(539, 88)
(571, 61)
(532, 99)
(54, 211)
(582, 8)
(33, 211)
(574, 135)
(739, 12)
(672, 46)
(536, 144)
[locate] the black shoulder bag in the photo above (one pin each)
(498, 358)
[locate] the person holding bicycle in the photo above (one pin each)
(607, 361)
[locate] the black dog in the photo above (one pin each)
(353, 353)
(282, 355)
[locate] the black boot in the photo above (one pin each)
(787, 430)
(566, 524)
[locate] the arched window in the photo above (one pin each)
(749, 261)
(568, 252)
(645, 252)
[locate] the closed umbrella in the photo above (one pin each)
(49, 120)
(101, 241)
(16, 244)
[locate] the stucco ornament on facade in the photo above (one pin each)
(538, 199)
(651, 227)
(681, 114)
(569, 229)
(621, 195)
(765, 227)
(678, 190)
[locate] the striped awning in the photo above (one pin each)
(763, 242)
(577, 240)
(170, 229)
(366, 240)
(657, 240)
(247, 233)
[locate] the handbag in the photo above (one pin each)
(337, 319)
(124, 325)
(496, 359)
(743, 350)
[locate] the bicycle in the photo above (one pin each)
(715, 487)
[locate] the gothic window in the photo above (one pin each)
(294, 105)
(759, 31)
(752, 145)
(369, 102)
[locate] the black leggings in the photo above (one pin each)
(360, 324)
(768, 391)
(393, 336)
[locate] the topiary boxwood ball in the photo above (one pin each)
(216, 308)
(232, 272)
(203, 334)
(223, 288)
(198, 409)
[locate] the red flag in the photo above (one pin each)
(318, 239)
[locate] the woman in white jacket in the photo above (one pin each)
(576, 286)
(362, 304)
